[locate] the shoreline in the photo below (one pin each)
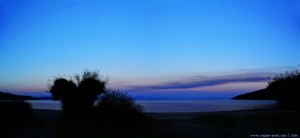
(184, 116)
(189, 106)
(258, 109)
(50, 112)
(238, 123)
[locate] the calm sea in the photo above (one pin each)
(164, 106)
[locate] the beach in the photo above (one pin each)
(242, 123)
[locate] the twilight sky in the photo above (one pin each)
(150, 48)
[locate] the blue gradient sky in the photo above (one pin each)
(149, 48)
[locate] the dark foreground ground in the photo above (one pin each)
(245, 123)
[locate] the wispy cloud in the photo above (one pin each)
(207, 81)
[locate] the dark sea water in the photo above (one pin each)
(168, 106)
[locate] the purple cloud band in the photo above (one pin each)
(198, 81)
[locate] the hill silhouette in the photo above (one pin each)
(9, 96)
(262, 94)
(284, 88)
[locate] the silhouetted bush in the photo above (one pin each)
(114, 101)
(78, 98)
(286, 88)
(18, 109)
(119, 107)
(12, 113)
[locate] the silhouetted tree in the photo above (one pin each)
(65, 91)
(78, 98)
(286, 88)
(79, 94)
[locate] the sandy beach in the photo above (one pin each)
(243, 123)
